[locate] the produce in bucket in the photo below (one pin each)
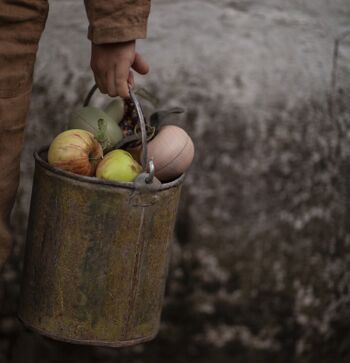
(118, 165)
(98, 122)
(76, 151)
(130, 119)
(172, 151)
(117, 128)
(116, 109)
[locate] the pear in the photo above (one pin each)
(118, 165)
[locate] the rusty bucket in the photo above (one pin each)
(97, 255)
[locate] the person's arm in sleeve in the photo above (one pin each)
(114, 27)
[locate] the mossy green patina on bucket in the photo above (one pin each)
(96, 259)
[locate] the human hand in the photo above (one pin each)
(111, 65)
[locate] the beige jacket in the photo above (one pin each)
(117, 20)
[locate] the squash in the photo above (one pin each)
(100, 124)
(116, 109)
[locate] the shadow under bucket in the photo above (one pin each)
(96, 259)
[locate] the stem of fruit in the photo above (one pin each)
(102, 133)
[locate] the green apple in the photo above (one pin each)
(118, 165)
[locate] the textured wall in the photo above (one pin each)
(260, 269)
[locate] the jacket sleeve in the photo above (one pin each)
(117, 20)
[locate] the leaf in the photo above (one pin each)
(158, 117)
(148, 96)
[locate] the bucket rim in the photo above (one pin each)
(93, 180)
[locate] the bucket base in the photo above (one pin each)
(99, 343)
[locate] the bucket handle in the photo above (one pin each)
(149, 177)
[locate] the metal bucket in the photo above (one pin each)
(97, 256)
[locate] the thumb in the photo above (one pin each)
(140, 65)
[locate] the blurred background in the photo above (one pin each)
(260, 268)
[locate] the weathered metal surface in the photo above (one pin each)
(96, 258)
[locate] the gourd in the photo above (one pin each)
(172, 151)
(116, 109)
(99, 123)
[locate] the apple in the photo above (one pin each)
(118, 165)
(76, 151)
